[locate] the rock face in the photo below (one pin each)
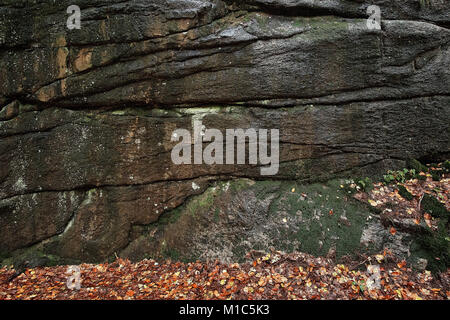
(233, 218)
(87, 115)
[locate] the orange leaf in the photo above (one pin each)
(392, 231)
(427, 218)
(130, 293)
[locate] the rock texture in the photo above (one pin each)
(86, 115)
(233, 218)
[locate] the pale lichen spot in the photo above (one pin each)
(226, 186)
(20, 185)
(195, 186)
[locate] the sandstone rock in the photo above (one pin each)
(86, 116)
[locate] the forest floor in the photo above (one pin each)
(402, 199)
(273, 276)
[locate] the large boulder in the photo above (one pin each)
(87, 115)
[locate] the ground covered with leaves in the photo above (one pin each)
(414, 199)
(272, 276)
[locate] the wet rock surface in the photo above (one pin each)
(86, 116)
(233, 218)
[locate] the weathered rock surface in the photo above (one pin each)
(233, 218)
(86, 116)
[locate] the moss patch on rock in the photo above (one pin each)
(416, 165)
(432, 206)
(434, 246)
(404, 192)
(232, 218)
(32, 257)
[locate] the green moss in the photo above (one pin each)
(196, 205)
(375, 210)
(446, 166)
(436, 175)
(435, 247)
(170, 217)
(305, 209)
(202, 203)
(172, 254)
(4, 255)
(404, 192)
(365, 184)
(432, 206)
(236, 185)
(34, 256)
(263, 188)
(421, 178)
(416, 165)
(322, 211)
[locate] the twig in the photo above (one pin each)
(420, 201)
